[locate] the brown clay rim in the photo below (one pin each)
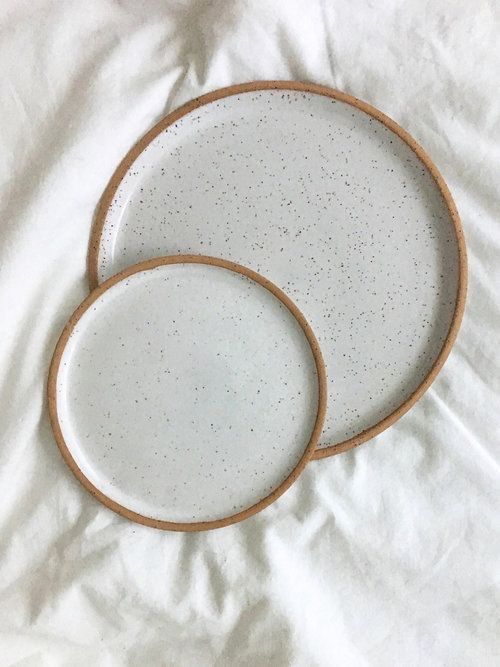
(109, 193)
(152, 264)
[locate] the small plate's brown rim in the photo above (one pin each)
(171, 118)
(152, 264)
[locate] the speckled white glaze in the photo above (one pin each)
(187, 393)
(328, 203)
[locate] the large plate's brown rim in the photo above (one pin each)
(152, 264)
(171, 118)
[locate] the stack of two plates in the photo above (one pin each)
(188, 391)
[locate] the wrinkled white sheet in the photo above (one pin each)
(387, 555)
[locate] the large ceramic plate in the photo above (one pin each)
(334, 203)
(187, 393)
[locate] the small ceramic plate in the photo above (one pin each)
(187, 393)
(332, 201)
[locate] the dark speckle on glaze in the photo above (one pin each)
(329, 204)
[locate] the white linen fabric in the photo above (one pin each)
(385, 555)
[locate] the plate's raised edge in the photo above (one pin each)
(109, 193)
(152, 264)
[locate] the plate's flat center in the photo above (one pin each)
(329, 204)
(187, 393)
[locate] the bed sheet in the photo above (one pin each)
(385, 555)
